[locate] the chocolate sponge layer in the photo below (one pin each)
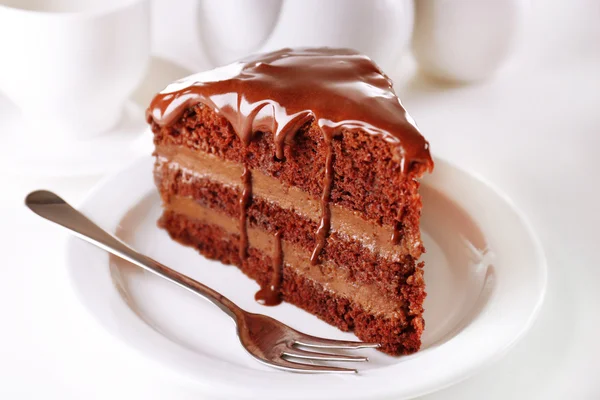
(367, 176)
(398, 334)
(364, 266)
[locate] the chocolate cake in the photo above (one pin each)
(299, 166)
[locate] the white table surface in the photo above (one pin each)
(534, 131)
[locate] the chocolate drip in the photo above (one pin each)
(396, 235)
(270, 295)
(279, 92)
(324, 225)
(244, 201)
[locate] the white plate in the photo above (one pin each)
(485, 274)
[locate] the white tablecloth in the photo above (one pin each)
(534, 131)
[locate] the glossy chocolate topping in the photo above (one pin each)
(280, 92)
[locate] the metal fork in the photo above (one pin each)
(266, 339)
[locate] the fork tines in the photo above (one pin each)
(295, 353)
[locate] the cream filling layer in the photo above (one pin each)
(331, 277)
(376, 238)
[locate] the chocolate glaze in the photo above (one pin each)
(244, 201)
(338, 88)
(397, 234)
(270, 295)
(325, 224)
(280, 92)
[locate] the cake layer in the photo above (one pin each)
(367, 171)
(295, 258)
(377, 237)
(397, 331)
(363, 265)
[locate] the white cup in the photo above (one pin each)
(70, 65)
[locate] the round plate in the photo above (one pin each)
(484, 269)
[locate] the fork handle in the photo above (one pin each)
(53, 208)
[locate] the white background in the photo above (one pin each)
(534, 131)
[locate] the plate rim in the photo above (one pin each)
(208, 386)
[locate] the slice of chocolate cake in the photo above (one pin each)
(300, 166)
